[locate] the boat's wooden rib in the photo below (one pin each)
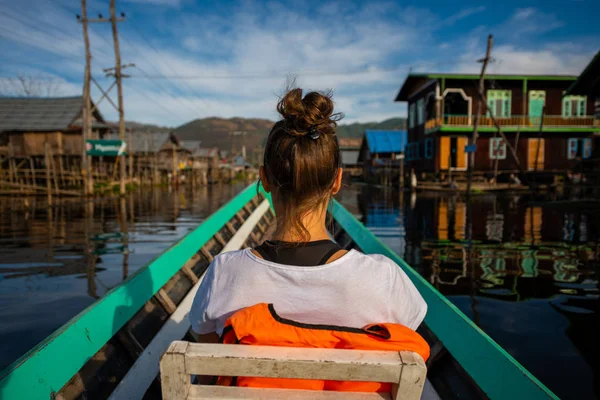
(145, 369)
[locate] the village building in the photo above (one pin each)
(381, 154)
(441, 116)
(349, 152)
(27, 124)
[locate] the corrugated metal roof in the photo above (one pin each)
(191, 145)
(349, 157)
(386, 141)
(39, 114)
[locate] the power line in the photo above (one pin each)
(161, 106)
(191, 108)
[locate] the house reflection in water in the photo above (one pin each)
(529, 277)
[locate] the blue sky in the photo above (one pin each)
(200, 59)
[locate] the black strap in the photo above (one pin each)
(307, 254)
(328, 255)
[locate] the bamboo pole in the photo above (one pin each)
(47, 162)
(53, 163)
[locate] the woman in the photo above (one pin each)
(306, 276)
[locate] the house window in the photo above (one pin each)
(497, 149)
(498, 102)
(420, 111)
(587, 147)
(411, 116)
(429, 148)
(574, 106)
(572, 146)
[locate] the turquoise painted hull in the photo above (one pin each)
(46, 368)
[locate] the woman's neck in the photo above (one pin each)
(314, 222)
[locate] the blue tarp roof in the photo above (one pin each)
(386, 141)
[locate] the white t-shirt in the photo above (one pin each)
(355, 290)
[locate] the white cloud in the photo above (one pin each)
(241, 59)
(467, 12)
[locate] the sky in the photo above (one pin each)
(199, 59)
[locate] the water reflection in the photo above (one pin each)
(56, 261)
(529, 277)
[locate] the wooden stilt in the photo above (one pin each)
(47, 162)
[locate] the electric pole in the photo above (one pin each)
(86, 118)
(479, 108)
(87, 102)
(113, 21)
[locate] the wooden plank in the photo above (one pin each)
(78, 340)
(198, 392)
(207, 254)
(139, 377)
(412, 378)
(463, 339)
(165, 301)
(292, 362)
(175, 382)
(219, 238)
(247, 227)
(230, 227)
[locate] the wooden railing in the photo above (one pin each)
(515, 120)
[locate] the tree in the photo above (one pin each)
(29, 86)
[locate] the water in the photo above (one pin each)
(533, 283)
(56, 262)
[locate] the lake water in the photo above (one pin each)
(55, 264)
(534, 280)
(532, 283)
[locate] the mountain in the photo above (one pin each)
(233, 132)
(226, 133)
(357, 129)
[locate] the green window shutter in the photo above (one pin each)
(506, 102)
(566, 109)
(582, 106)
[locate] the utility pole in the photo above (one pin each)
(473, 140)
(87, 105)
(113, 21)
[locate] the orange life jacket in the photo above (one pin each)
(260, 325)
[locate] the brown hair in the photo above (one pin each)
(302, 156)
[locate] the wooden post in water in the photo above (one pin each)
(130, 155)
(480, 106)
(47, 165)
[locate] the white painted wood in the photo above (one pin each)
(243, 233)
(139, 377)
(175, 382)
(412, 379)
(226, 392)
(292, 362)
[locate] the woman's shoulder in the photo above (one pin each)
(371, 259)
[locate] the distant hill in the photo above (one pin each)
(222, 133)
(217, 132)
(141, 127)
(358, 129)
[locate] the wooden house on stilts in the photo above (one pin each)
(551, 131)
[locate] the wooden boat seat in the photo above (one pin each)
(406, 370)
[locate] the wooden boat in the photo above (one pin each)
(112, 348)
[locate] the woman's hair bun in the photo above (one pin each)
(315, 110)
